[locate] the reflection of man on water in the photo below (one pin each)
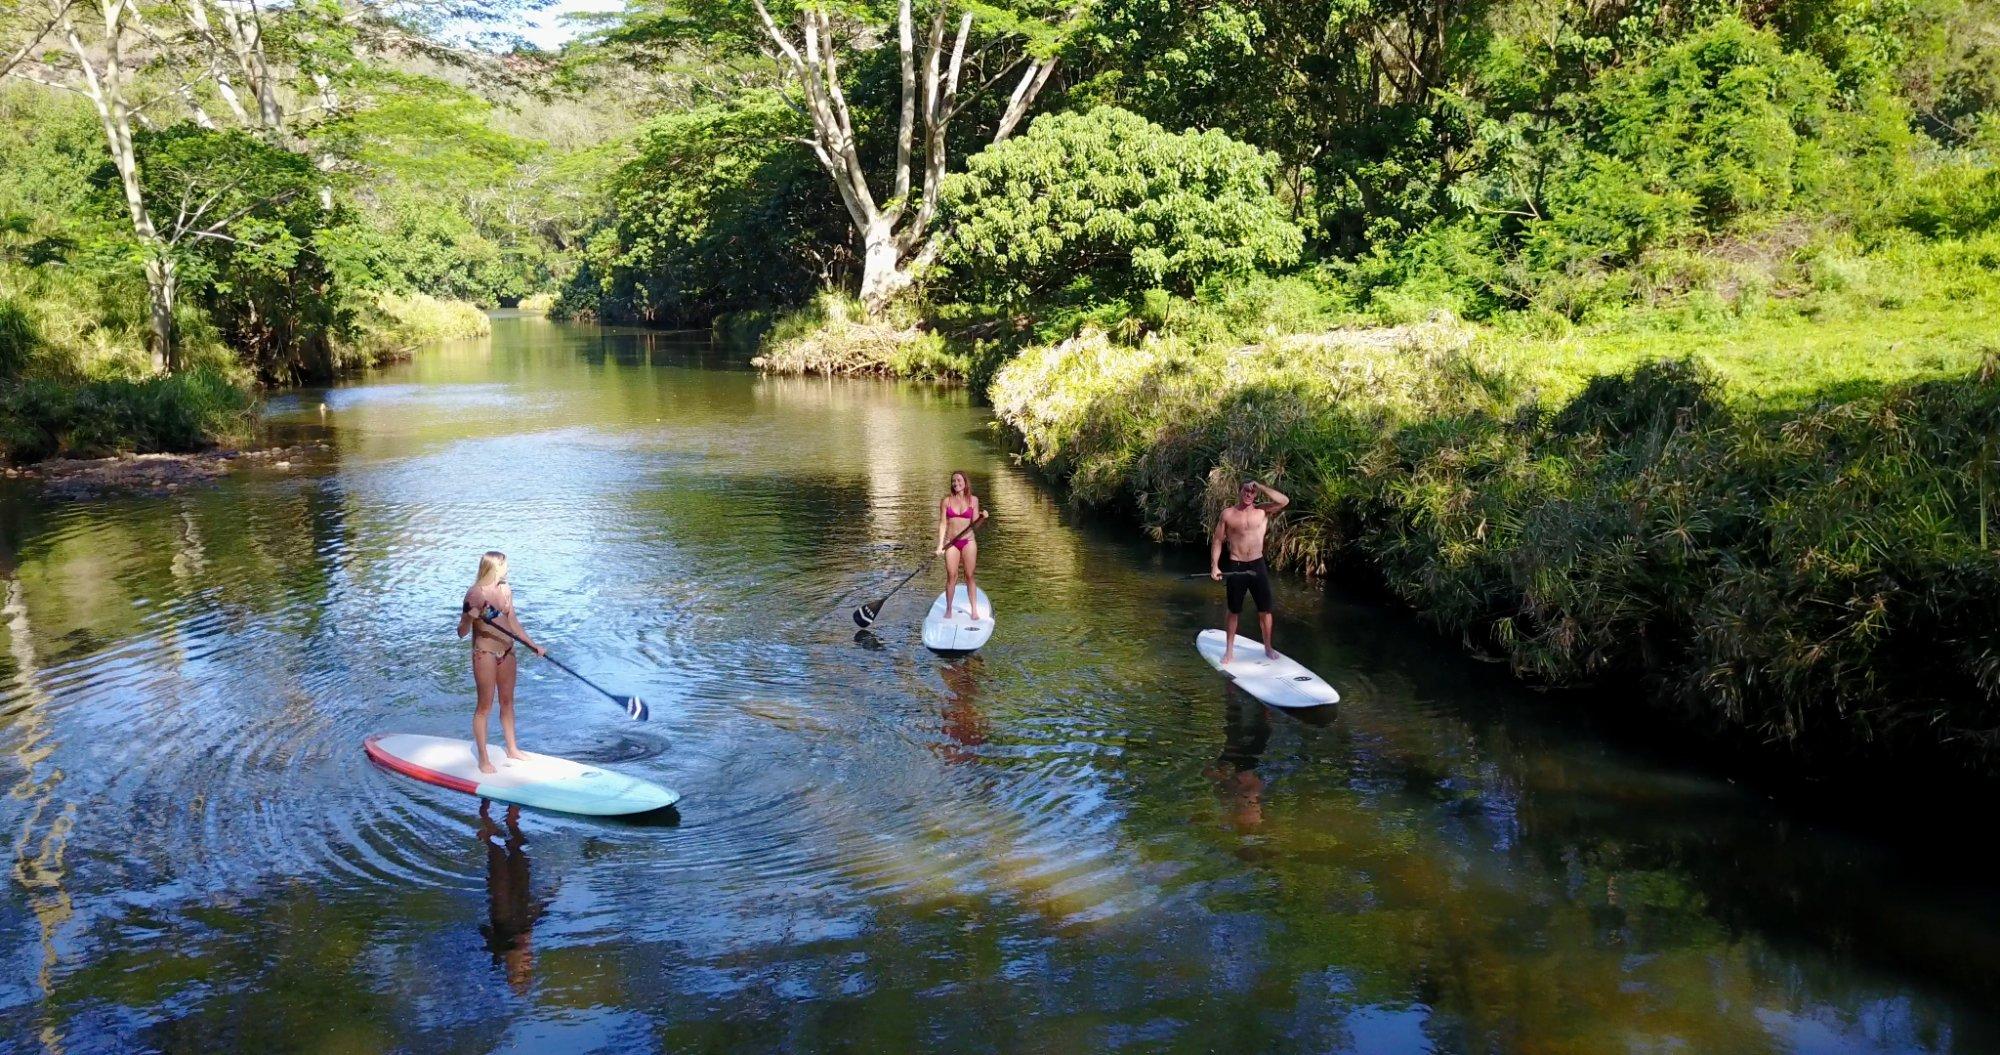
(1246, 731)
(511, 907)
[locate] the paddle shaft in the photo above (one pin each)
(490, 621)
(1204, 575)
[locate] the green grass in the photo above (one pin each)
(391, 325)
(1850, 326)
(833, 336)
(45, 417)
(75, 377)
(1775, 514)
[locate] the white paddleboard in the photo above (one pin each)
(955, 630)
(1280, 682)
(540, 781)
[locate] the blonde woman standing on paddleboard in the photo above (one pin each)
(958, 511)
(494, 665)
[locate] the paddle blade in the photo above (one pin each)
(864, 616)
(635, 708)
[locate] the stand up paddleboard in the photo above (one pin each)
(1280, 682)
(954, 629)
(538, 781)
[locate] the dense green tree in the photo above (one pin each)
(1109, 202)
(242, 217)
(945, 53)
(721, 209)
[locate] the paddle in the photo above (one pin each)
(1204, 575)
(864, 616)
(635, 708)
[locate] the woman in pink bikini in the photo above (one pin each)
(493, 664)
(956, 512)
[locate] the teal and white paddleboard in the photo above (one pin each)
(540, 781)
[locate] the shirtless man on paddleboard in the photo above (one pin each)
(1238, 546)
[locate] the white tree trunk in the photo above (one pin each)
(896, 239)
(105, 87)
(885, 272)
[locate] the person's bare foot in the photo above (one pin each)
(1270, 653)
(516, 755)
(1228, 656)
(488, 767)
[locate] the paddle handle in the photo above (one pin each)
(925, 566)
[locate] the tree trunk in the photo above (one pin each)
(162, 280)
(896, 239)
(884, 272)
(104, 86)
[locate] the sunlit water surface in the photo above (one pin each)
(1078, 840)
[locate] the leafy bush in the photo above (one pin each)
(1957, 198)
(43, 417)
(1107, 201)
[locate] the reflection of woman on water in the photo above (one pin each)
(963, 725)
(511, 908)
(494, 665)
(958, 511)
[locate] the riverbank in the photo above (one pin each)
(149, 474)
(74, 381)
(1777, 521)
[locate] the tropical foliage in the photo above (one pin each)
(1105, 201)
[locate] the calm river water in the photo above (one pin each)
(1079, 840)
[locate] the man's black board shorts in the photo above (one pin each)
(1257, 584)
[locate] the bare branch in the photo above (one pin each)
(35, 42)
(906, 125)
(1032, 80)
(29, 73)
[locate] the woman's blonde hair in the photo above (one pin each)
(492, 568)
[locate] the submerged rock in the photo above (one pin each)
(151, 474)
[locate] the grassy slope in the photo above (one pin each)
(1778, 516)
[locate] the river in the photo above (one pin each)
(1078, 840)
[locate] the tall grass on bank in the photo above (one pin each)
(56, 322)
(45, 417)
(1814, 572)
(833, 335)
(75, 377)
(391, 325)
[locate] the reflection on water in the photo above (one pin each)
(1246, 732)
(964, 727)
(1077, 839)
(511, 906)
